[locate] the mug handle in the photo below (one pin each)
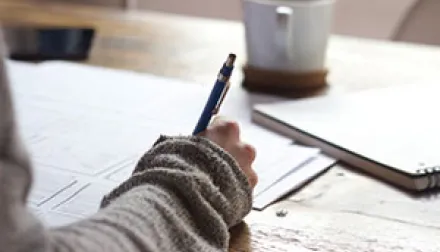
(283, 16)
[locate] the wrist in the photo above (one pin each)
(223, 176)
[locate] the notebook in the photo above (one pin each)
(391, 133)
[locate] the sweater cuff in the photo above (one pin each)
(220, 180)
(235, 188)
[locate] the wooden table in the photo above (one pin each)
(343, 210)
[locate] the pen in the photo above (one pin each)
(217, 95)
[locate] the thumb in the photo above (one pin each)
(220, 120)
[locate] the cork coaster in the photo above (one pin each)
(281, 82)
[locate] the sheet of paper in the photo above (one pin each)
(276, 155)
(279, 161)
(86, 201)
(88, 147)
(43, 190)
(123, 173)
(293, 181)
(92, 125)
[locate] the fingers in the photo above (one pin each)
(230, 130)
(247, 151)
(245, 155)
(226, 133)
(227, 128)
(252, 177)
(250, 150)
(219, 118)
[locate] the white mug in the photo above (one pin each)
(287, 35)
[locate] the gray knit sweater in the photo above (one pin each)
(184, 194)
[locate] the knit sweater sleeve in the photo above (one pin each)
(183, 195)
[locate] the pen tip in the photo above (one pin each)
(231, 59)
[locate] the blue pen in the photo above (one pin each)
(217, 95)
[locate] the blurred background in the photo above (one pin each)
(131, 35)
(401, 20)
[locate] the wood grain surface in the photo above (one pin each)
(343, 210)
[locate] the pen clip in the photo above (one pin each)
(222, 97)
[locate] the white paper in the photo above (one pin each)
(89, 126)
(123, 173)
(276, 155)
(293, 181)
(278, 162)
(86, 201)
(47, 184)
(91, 147)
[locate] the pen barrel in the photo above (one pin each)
(226, 70)
(205, 118)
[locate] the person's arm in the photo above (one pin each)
(183, 196)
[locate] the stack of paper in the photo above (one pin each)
(86, 127)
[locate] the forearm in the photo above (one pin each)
(184, 195)
(147, 218)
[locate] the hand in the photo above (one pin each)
(226, 134)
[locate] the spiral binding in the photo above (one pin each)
(433, 175)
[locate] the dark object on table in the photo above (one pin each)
(33, 43)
